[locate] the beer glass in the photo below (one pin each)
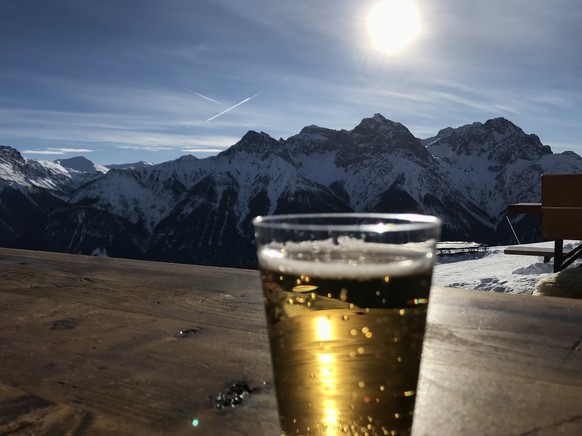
(346, 298)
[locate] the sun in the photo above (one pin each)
(393, 25)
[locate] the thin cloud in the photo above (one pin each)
(58, 151)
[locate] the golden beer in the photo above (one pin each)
(346, 298)
(346, 327)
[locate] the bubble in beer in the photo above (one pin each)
(343, 294)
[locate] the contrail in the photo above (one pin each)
(204, 97)
(232, 107)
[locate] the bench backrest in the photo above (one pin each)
(562, 206)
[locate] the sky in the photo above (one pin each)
(121, 81)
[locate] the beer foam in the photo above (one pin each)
(350, 258)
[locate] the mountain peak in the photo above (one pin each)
(502, 125)
(186, 158)
(253, 142)
(380, 131)
(498, 139)
(253, 136)
(82, 164)
(10, 154)
(378, 135)
(378, 123)
(314, 132)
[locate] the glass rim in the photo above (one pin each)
(408, 222)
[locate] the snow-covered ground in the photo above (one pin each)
(494, 271)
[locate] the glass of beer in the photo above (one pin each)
(346, 298)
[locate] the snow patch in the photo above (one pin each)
(493, 271)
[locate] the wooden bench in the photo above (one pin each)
(561, 218)
(531, 250)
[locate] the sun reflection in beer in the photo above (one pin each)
(328, 385)
(327, 379)
(330, 415)
(326, 361)
(324, 328)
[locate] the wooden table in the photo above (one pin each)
(92, 346)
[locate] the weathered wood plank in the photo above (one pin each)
(23, 413)
(561, 190)
(96, 341)
(562, 222)
(561, 206)
(501, 364)
(101, 334)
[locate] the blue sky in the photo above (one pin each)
(127, 80)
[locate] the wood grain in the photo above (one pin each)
(101, 335)
(501, 364)
(561, 190)
(562, 222)
(92, 346)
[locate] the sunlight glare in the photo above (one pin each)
(323, 328)
(393, 25)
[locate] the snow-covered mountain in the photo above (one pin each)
(60, 177)
(27, 193)
(200, 210)
(497, 163)
(131, 166)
